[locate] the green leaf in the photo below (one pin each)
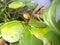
(49, 16)
(41, 16)
(36, 23)
(28, 3)
(16, 43)
(11, 31)
(15, 5)
(29, 39)
(46, 35)
(40, 32)
(51, 38)
(6, 44)
(31, 5)
(0, 30)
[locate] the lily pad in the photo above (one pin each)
(11, 31)
(15, 5)
(29, 39)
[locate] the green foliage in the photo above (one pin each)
(24, 1)
(36, 23)
(21, 3)
(30, 39)
(15, 5)
(13, 9)
(49, 16)
(31, 5)
(34, 33)
(52, 38)
(46, 35)
(14, 29)
(40, 32)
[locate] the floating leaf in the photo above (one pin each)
(11, 31)
(36, 23)
(46, 35)
(40, 32)
(15, 5)
(30, 39)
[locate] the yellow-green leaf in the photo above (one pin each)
(11, 31)
(40, 32)
(15, 5)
